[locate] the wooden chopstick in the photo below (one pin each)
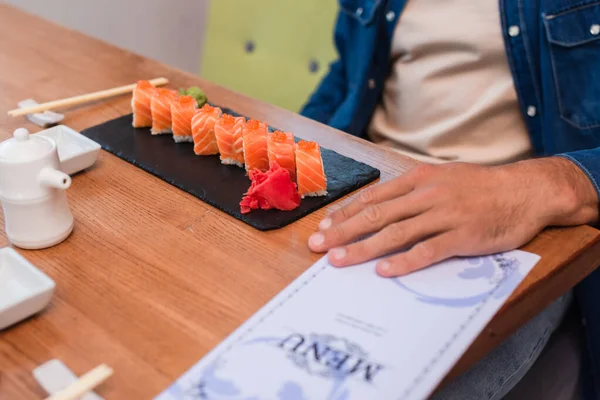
(84, 98)
(85, 384)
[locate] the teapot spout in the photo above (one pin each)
(54, 178)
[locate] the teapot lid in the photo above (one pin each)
(24, 147)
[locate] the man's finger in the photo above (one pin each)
(424, 254)
(371, 195)
(391, 238)
(370, 219)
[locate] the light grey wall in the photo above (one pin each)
(171, 31)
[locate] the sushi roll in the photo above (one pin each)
(281, 149)
(140, 104)
(309, 168)
(228, 132)
(160, 106)
(203, 130)
(183, 109)
(254, 137)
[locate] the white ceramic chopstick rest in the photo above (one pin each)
(32, 191)
(54, 376)
(84, 384)
(43, 119)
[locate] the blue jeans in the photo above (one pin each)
(499, 371)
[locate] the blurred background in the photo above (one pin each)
(273, 50)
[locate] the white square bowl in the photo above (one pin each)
(75, 151)
(24, 289)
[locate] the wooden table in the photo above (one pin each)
(152, 278)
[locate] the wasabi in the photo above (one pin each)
(196, 93)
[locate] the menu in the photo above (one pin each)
(348, 334)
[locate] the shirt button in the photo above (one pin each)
(595, 29)
(531, 111)
(371, 83)
(359, 11)
(249, 46)
(390, 16)
(514, 31)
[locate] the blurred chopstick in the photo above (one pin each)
(85, 384)
(84, 98)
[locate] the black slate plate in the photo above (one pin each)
(219, 185)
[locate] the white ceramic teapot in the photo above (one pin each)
(32, 191)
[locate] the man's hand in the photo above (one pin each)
(456, 210)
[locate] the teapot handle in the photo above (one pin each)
(54, 178)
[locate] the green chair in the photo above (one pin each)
(276, 51)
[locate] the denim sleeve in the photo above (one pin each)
(589, 162)
(330, 93)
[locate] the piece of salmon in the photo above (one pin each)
(309, 168)
(183, 109)
(203, 130)
(228, 132)
(281, 149)
(140, 104)
(160, 106)
(256, 155)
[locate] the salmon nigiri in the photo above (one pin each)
(281, 148)
(161, 110)
(228, 132)
(309, 168)
(203, 130)
(140, 104)
(183, 109)
(255, 146)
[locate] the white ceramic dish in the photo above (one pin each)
(24, 289)
(75, 151)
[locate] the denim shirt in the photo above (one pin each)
(553, 49)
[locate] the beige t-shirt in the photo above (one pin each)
(450, 93)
